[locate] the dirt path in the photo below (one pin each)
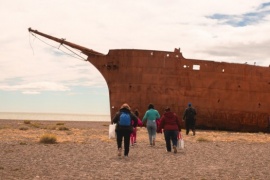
(85, 152)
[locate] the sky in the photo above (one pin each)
(38, 75)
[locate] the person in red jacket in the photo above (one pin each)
(170, 124)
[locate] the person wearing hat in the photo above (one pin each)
(189, 118)
(171, 126)
(125, 122)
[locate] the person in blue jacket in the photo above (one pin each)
(150, 117)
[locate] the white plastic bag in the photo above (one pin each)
(180, 141)
(112, 131)
(182, 144)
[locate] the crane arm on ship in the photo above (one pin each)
(84, 50)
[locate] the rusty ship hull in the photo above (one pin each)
(227, 96)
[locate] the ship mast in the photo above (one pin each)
(84, 50)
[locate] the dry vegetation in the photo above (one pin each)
(48, 139)
(74, 132)
(34, 130)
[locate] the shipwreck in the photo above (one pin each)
(227, 96)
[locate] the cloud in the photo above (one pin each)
(264, 5)
(30, 92)
(239, 20)
(35, 87)
(44, 68)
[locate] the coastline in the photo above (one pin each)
(84, 151)
(53, 116)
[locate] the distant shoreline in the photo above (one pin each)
(83, 114)
(53, 116)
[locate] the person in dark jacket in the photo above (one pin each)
(171, 126)
(124, 131)
(189, 118)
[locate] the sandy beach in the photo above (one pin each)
(84, 151)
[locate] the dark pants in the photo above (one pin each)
(119, 138)
(170, 135)
(190, 124)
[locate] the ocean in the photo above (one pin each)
(53, 116)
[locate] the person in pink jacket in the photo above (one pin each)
(133, 136)
(171, 126)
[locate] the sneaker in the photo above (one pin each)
(119, 151)
(174, 149)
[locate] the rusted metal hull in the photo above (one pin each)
(227, 96)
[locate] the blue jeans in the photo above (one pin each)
(152, 130)
(170, 135)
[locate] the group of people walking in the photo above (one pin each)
(126, 123)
